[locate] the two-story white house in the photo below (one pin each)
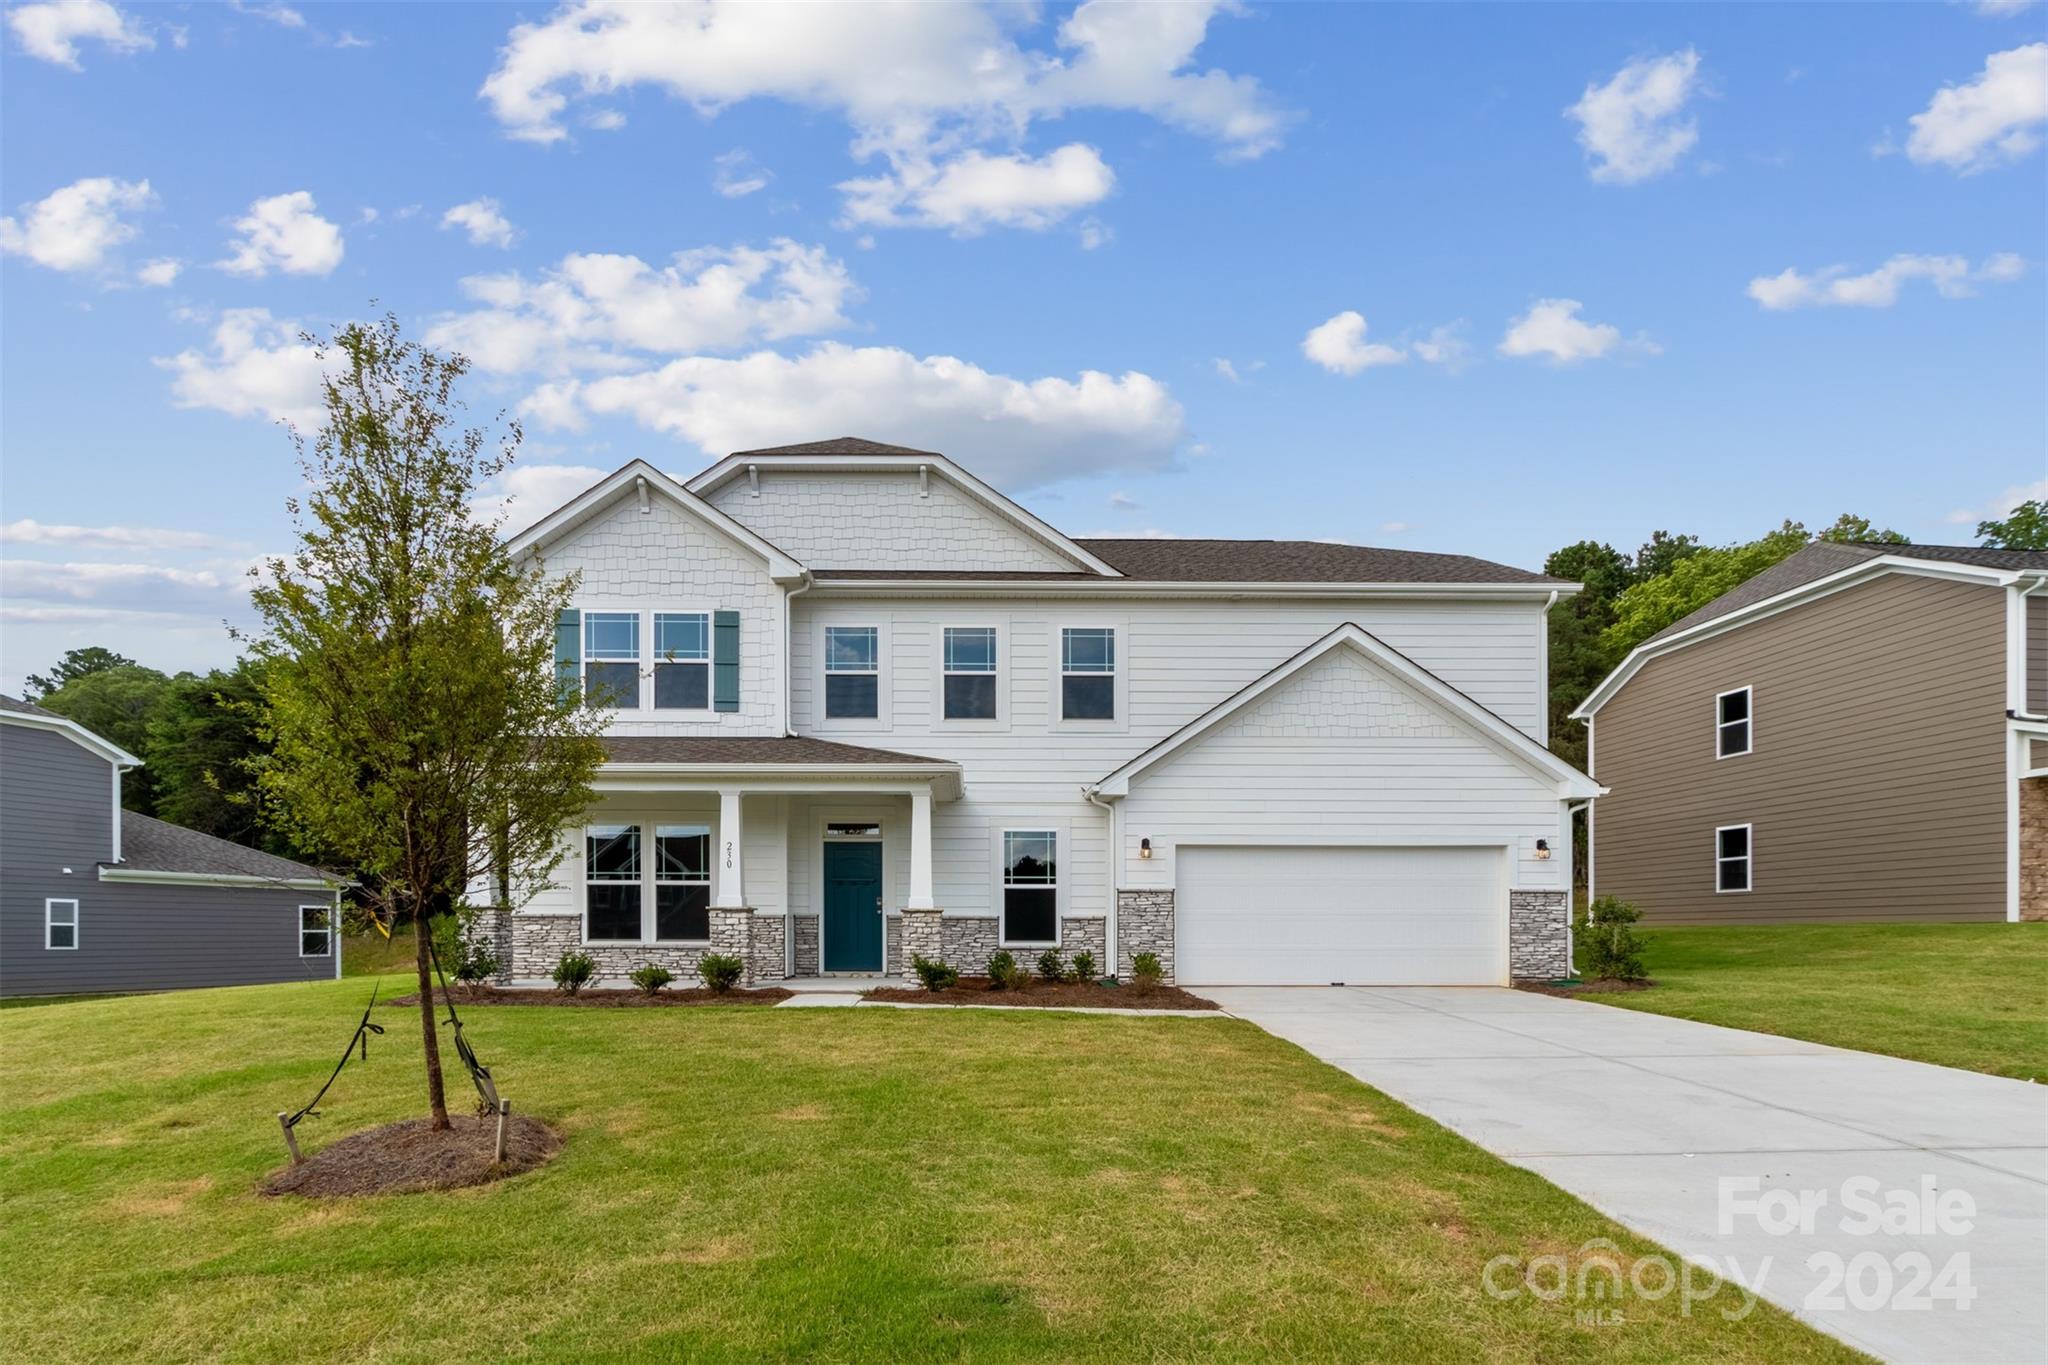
(865, 707)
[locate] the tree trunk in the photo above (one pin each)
(437, 1098)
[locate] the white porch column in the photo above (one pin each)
(731, 862)
(920, 849)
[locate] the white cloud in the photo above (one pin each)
(284, 16)
(2000, 507)
(1020, 432)
(1226, 370)
(736, 174)
(527, 492)
(284, 232)
(160, 273)
(2002, 9)
(1951, 276)
(483, 220)
(1124, 502)
(921, 86)
(1630, 127)
(1552, 328)
(1095, 233)
(150, 588)
(1340, 347)
(1994, 118)
(258, 368)
(1395, 528)
(78, 225)
(31, 532)
(714, 298)
(1445, 346)
(53, 30)
(604, 120)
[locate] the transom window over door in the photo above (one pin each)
(682, 660)
(682, 882)
(853, 672)
(970, 672)
(1088, 673)
(611, 659)
(612, 882)
(1031, 894)
(1732, 723)
(1731, 858)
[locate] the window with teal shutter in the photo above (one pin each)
(725, 661)
(568, 639)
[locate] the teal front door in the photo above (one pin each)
(853, 907)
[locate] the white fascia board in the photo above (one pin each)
(943, 778)
(732, 466)
(1572, 784)
(78, 734)
(1140, 587)
(581, 508)
(1792, 597)
(144, 875)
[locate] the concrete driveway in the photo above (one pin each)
(1678, 1129)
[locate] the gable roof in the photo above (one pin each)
(15, 711)
(640, 475)
(1815, 571)
(838, 445)
(1572, 784)
(1299, 561)
(152, 845)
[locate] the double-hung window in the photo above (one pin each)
(60, 924)
(1031, 886)
(316, 930)
(682, 881)
(612, 882)
(682, 661)
(1732, 723)
(611, 659)
(853, 672)
(1088, 673)
(970, 672)
(1731, 858)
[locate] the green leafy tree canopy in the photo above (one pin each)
(76, 664)
(1695, 580)
(2024, 528)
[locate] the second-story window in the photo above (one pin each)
(1732, 723)
(970, 670)
(611, 659)
(682, 660)
(853, 672)
(1088, 673)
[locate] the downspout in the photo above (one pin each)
(1543, 672)
(1116, 876)
(1571, 947)
(789, 596)
(2025, 712)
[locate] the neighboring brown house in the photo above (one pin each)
(1858, 733)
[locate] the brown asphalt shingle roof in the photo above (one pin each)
(1238, 561)
(838, 445)
(765, 749)
(25, 708)
(152, 845)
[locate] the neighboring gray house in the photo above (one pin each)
(94, 898)
(1857, 733)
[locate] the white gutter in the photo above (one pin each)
(128, 874)
(1130, 587)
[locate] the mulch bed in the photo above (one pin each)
(975, 990)
(1571, 988)
(696, 995)
(403, 1158)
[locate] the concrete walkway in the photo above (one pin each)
(1667, 1125)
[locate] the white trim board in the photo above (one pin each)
(77, 734)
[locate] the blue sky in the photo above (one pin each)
(1486, 279)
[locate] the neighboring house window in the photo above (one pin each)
(682, 882)
(682, 661)
(970, 671)
(1088, 673)
(1731, 858)
(1732, 723)
(316, 930)
(853, 672)
(612, 882)
(1030, 886)
(611, 659)
(60, 924)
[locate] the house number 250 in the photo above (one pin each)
(728, 853)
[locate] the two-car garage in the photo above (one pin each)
(1314, 915)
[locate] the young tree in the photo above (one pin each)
(2024, 528)
(410, 701)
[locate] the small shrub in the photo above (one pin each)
(460, 948)
(573, 972)
(1084, 966)
(1146, 973)
(1050, 967)
(1006, 973)
(721, 971)
(936, 976)
(1608, 943)
(651, 978)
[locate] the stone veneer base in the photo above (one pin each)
(1539, 935)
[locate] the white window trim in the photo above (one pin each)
(327, 921)
(885, 672)
(1001, 719)
(1748, 861)
(646, 611)
(640, 678)
(650, 878)
(49, 920)
(1060, 850)
(1119, 720)
(650, 907)
(1749, 721)
(710, 661)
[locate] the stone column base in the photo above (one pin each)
(923, 935)
(1539, 935)
(732, 935)
(1144, 924)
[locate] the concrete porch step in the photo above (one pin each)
(832, 985)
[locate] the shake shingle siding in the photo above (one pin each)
(1876, 788)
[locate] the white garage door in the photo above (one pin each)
(1362, 916)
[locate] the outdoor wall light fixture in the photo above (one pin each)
(1542, 850)
(1144, 848)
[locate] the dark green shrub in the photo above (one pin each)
(1050, 967)
(936, 976)
(1006, 973)
(460, 948)
(1609, 946)
(1146, 973)
(1084, 966)
(651, 978)
(573, 972)
(721, 971)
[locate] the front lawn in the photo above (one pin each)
(1967, 995)
(748, 1183)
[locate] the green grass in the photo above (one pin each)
(369, 953)
(754, 1183)
(1966, 995)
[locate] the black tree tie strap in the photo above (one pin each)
(362, 1035)
(479, 1074)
